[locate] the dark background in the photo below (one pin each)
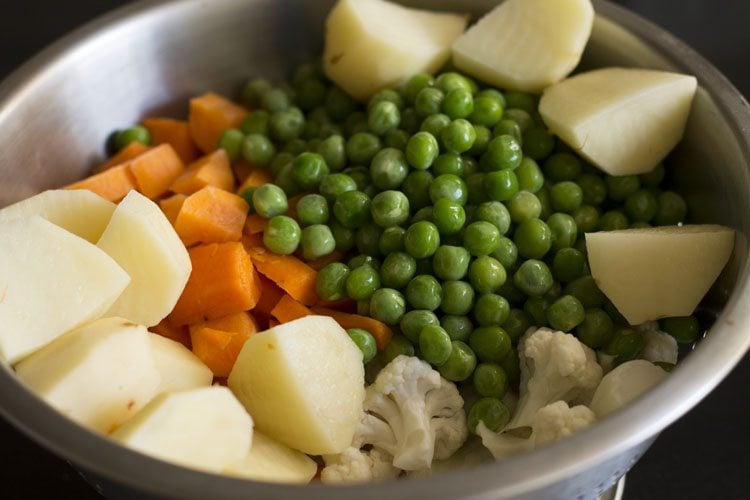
(703, 455)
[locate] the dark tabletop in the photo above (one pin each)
(703, 455)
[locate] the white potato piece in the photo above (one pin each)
(372, 44)
(303, 383)
(526, 44)
(205, 429)
(79, 211)
(623, 120)
(50, 282)
(658, 272)
(179, 368)
(624, 384)
(141, 239)
(273, 462)
(99, 375)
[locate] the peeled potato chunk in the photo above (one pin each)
(658, 272)
(141, 239)
(50, 282)
(526, 44)
(303, 383)
(372, 44)
(205, 429)
(273, 462)
(623, 120)
(99, 375)
(81, 212)
(624, 384)
(179, 368)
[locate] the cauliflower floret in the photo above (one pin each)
(551, 423)
(660, 346)
(413, 413)
(555, 366)
(357, 466)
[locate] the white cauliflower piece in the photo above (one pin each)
(555, 366)
(357, 466)
(660, 346)
(624, 384)
(413, 413)
(550, 423)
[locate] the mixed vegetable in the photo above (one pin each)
(375, 279)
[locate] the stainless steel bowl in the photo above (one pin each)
(57, 110)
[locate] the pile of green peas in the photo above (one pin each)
(461, 216)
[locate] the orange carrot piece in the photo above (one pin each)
(291, 274)
(211, 215)
(112, 184)
(252, 240)
(239, 322)
(175, 133)
(270, 295)
(222, 282)
(177, 333)
(322, 262)
(210, 170)
(127, 153)
(210, 115)
(255, 224)
(289, 309)
(242, 170)
(256, 177)
(292, 210)
(344, 305)
(171, 206)
(156, 170)
(217, 349)
(378, 329)
(273, 322)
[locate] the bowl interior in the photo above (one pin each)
(57, 111)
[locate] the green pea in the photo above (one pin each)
(413, 322)
(428, 101)
(309, 169)
(281, 161)
(312, 209)
(487, 111)
(397, 270)
(387, 305)
(416, 83)
(449, 186)
(653, 178)
(367, 239)
(386, 95)
(509, 127)
(516, 324)
(361, 176)
(486, 274)
(421, 239)
(352, 209)
(451, 80)
(568, 264)
(311, 93)
(274, 99)
(424, 292)
(544, 197)
(398, 346)
(136, 133)
(435, 124)
(493, 94)
(458, 103)
(389, 168)
(491, 309)
(524, 206)
(521, 100)
(339, 104)
(626, 344)
(586, 218)
(506, 252)
(434, 345)
(256, 122)
(475, 187)
(458, 298)
(481, 142)
(512, 366)
(355, 123)
(450, 262)
(389, 208)
(460, 364)
(423, 214)
(317, 241)
(448, 163)
(421, 150)
(458, 136)
(566, 196)
(533, 278)
(490, 343)
(564, 230)
(364, 260)
(449, 216)
(620, 187)
(503, 153)
(333, 151)
(362, 147)
(596, 329)
(365, 342)
(286, 124)
(481, 238)
(501, 185)
(641, 206)
(331, 281)
(491, 412)
(522, 117)
(536, 309)
(269, 200)
(458, 327)
(594, 189)
(253, 90)
(538, 143)
(362, 282)
(533, 238)
(585, 290)
(613, 220)
(565, 313)
(333, 185)
(563, 167)
(671, 210)
(231, 141)
(396, 138)
(258, 150)
(416, 187)
(382, 117)
(685, 329)
(282, 235)
(391, 240)
(495, 213)
(490, 380)
(344, 237)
